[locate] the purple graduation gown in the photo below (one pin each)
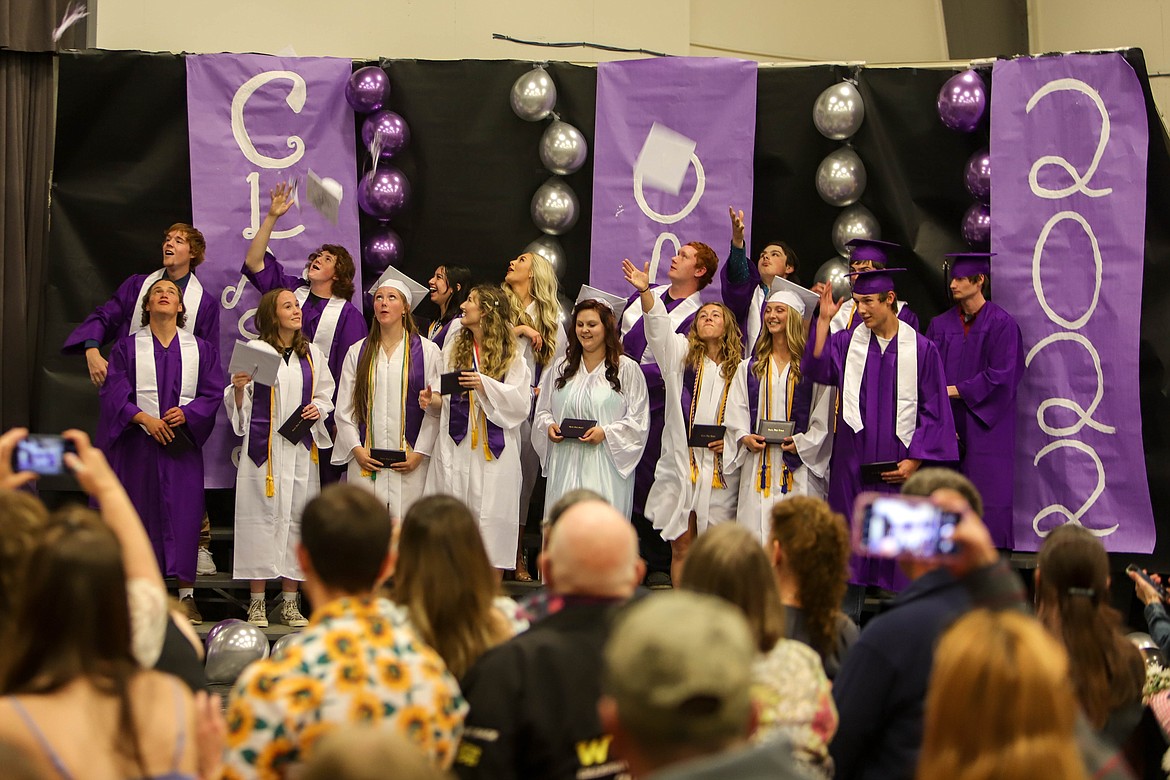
(985, 365)
(738, 296)
(634, 344)
(165, 488)
(112, 319)
(934, 435)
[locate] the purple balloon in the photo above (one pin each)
(367, 89)
(962, 101)
(217, 628)
(389, 128)
(383, 192)
(977, 176)
(382, 249)
(977, 226)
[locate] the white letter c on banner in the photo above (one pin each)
(295, 100)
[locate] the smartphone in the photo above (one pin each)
(895, 526)
(1133, 567)
(43, 453)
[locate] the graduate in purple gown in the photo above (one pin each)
(983, 356)
(330, 321)
(182, 250)
(449, 287)
(893, 405)
(867, 254)
(158, 406)
(745, 286)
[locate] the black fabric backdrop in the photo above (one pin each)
(121, 177)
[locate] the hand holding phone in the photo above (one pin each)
(1153, 592)
(896, 526)
(41, 453)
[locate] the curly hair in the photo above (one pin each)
(613, 346)
(816, 550)
(343, 269)
(181, 320)
(269, 325)
(730, 348)
(796, 336)
(195, 241)
(499, 345)
(373, 344)
(548, 308)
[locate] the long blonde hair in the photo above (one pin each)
(795, 334)
(548, 308)
(1006, 673)
(730, 348)
(499, 345)
(361, 388)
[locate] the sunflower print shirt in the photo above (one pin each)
(357, 662)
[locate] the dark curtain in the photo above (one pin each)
(27, 25)
(26, 129)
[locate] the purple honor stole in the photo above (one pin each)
(691, 386)
(634, 343)
(260, 427)
(462, 410)
(790, 461)
(439, 335)
(414, 374)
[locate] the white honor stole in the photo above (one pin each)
(146, 373)
(327, 324)
(907, 390)
(192, 297)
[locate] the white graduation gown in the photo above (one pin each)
(491, 489)
(530, 462)
(755, 509)
(607, 468)
(396, 491)
(674, 496)
(268, 529)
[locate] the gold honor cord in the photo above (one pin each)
(473, 413)
(373, 383)
(269, 482)
(766, 464)
(717, 480)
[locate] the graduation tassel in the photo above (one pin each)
(313, 452)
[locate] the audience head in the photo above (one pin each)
(676, 680)
(999, 705)
(345, 540)
(1072, 600)
(22, 519)
(925, 482)
(445, 581)
(594, 552)
(810, 545)
(575, 496)
(368, 753)
(728, 562)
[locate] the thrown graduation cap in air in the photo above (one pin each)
(412, 290)
(970, 263)
(616, 303)
(873, 250)
(793, 296)
(879, 280)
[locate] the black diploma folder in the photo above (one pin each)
(388, 457)
(296, 428)
(871, 473)
(775, 431)
(449, 384)
(573, 428)
(702, 435)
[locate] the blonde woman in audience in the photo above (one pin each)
(999, 704)
(788, 682)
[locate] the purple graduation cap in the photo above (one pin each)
(873, 250)
(879, 280)
(964, 264)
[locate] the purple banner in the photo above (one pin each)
(710, 102)
(254, 121)
(1069, 144)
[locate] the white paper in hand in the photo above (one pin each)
(325, 195)
(260, 361)
(664, 159)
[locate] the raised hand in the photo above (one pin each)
(639, 280)
(281, 200)
(736, 226)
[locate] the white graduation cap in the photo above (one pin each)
(793, 296)
(616, 303)
(392, 277)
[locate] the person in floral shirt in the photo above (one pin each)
(357, 662)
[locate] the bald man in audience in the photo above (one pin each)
(534, 698)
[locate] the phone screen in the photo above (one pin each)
(42, 453)
(892, 526)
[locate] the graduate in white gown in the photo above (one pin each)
(276, 477)
(769, 386)
(531, 287)
(477, 455)
(694, 487)
(377, 400)
(595, 382)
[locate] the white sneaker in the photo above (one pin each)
(205, 563)
(290, 614)
(257, 614)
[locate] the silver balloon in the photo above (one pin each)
(280, 646)
(563, 148)
(833, 273)
(841, 177)
(232, 649)
(839, 111)
(856, 221)
(554, 207)
(533, 95)
(550, 249)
